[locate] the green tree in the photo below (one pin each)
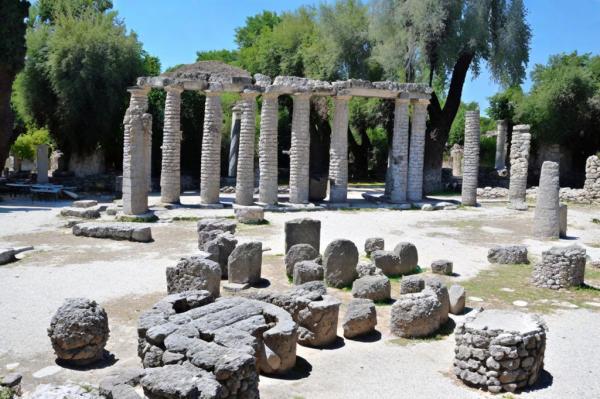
(227, 56)
(247, 35)
(12, 48)
(421, 40)
(503, 105)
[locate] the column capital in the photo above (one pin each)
(270, 95)
(174, 88)
(402, 100)
(423, 102)
(343, 97)
(302, 95)
(139, 90)
(249, 95)
(213, 93)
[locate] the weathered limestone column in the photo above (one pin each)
(417, 151)
(501, 130)
(135, 183)
(398, 163)
(234, 144)
(41, 160)
(267, 150)
(170, 174)
(300, 149)
(457, 156)
(244, 188)
(519, 162)
(210, 165)
(471, 158)
(592, 177)
(338, 152)
(546, 220)
(147, 123)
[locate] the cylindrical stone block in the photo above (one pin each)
(147, 123)
(546, 221)
(519, 162)
(457, 156)
(592, 178)
(471, 159)
(170, 174)
(398, 162)
(417, 151)
(234, 143)
(300, 150)
(501, 130)
(560, 267)
(338, 153)
(135, 183)
(563, 220)
(267, 150)
(41, 160)
(210, 165)
(244, 188)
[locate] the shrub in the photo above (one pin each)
(25, 145)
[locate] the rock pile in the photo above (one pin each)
(560, 267)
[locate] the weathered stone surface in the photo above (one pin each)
(114, 231)
(376, 288)
(306, 271)
(194, 273)
(397, 173)
(519, 163)
(303, 231)
(500, 350)
(435, 286)
(300, 151)
(442, 266)
(11, 380)
(85, 203)
(457, 296)
(120, 385)
(374, 244)
(501, 130)
(416, 315)
(170, 172)
(367, 269)
(245, 262)
(507, 255)
(560, 267)
(249, 214)
(339, 260)
(390, 263)
(211, 149)
(81, 212)
(470, 170)
(416, 154)
(68, 391)
(79, 331)
(563, 220)
(409, 257)
(244, 188)
(180, 381)
(207, 227)
(546, 220)
(219, 248)
(267, 150)
(298, 253)
(412, 284)
(360, 318)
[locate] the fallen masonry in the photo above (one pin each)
(360, 318)
(508, 255)
(114, 231)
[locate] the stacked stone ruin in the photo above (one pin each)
(471, 159)
(214, 79)
(592, 178)
(560, 267)
(519, 162)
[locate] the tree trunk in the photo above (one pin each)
(7, 136)
(440, 121)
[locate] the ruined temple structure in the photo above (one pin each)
(214, 78)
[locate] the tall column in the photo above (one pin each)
(501, 130)
(267, 149)
(471, 158)
(519, 163)
(300, 149)
(338, 152)
(546, 220)
(417, 151)
(244, 188)
(41, 161)
(147, 123)
(170, 174)
(457, 155)
(135, 184)
(234, 143)
(399, 160)
(210, 165)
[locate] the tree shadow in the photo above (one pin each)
(301, 369)
(108, 359)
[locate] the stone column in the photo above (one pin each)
(417, 151)
(592, 178)
(170, 174)
(147, 123)
(546, 220)
(457, 156)
(210, 165)
(519, 162)
(42, 163)
(398, 162)
(234, 145)
(338, 152)
(267, 150)
(300, 149)
(135, 183)
(501, 130)
(244, 188)
(471, 158)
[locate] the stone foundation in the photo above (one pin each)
(560, 267)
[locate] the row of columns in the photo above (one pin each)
(406, 160)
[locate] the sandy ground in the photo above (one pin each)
(127, 278)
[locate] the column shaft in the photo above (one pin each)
(267, 147)
(398, 162)
(234, 143)
(417, 151)
(135, 184)
(147, 122)
(546, 219)
(471, 159)
(210, 165)
(501, 130)
(300, 150)
(244, 188)
(519, 163)
(338, 153)
(170, 174)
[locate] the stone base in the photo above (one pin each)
(336, 205)
(289, 207)
(147, 217)
(236, 287)
(220, 205)
(518, 206)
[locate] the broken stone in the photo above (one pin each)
(360, 318)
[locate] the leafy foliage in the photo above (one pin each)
(25, 145)
(12, 32)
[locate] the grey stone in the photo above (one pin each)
(360, 318)
(339, 260)
(390, 263)
(409, 257)
(7, 255)
(219, 248)
(79, 331)
(560, 267)
(470, 170)
(367, 269)
(546, 220)
(85, 203)
(114, 231)
(416, 315)
(11, 380)
(374, 244)
(194, 273)
(505, 255)
(298, 253)
(457, 296)
(442, 266)
(69, 391)
(81, 212)
(563, 220)
(376, 288)
(412, 284)
(303, 231)
(244, 264)
(519, 163)
(205, 226)
(437, 287)
(306, 271)
(249, 214)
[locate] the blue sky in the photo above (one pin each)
(174, 30)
